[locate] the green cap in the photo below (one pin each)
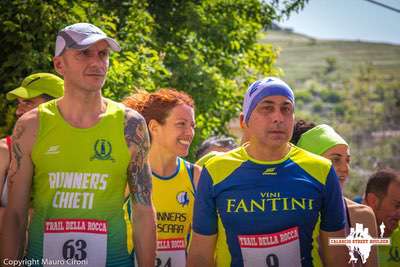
(319, 139)
(37, 84)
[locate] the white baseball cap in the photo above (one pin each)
(81, 36)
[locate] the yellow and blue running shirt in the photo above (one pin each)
(268, 213)
(173, 199)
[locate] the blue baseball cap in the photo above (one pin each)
(259, 89)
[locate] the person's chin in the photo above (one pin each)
(183, 154)
(98, 79)
(277, 139)
(277, 135)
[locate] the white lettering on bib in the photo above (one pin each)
(75, 242)
(271, 250)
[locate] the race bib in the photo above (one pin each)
(271, 250)
(171, 253)
(75, 242)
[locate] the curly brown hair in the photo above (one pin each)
(157, 105)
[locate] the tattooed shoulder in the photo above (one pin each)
(139, 173)
(135, 128)
(23, 137)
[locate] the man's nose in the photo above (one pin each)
(21, 109)
(278, 116)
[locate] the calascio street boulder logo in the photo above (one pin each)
(359, 242)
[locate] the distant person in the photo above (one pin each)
(35, 89)
(75, 156)
(358, 199)
(323, 140)
(383, 196)
(169, 115)
(213, 146)
(261, 204)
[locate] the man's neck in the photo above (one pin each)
(267, 153)
(82, 109)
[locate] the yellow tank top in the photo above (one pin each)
(173, 199)
(78, 190)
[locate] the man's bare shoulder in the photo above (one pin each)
(359, 208)
(135, 129)
(3, 145)
(4, 159)
(131, 114)
(4, 151)
(30, 118)
(360, 213)
(26, 127)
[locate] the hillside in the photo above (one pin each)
(353, 86)
(301, 57)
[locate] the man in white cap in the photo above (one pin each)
(266, 202)
(75, 155)
(35, 89)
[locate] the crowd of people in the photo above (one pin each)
(86, 181)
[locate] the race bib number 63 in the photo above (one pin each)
(75, 242)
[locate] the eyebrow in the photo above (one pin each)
(287, 102)
(339, 155)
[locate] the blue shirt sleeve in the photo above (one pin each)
(332, 212)
(205, 213)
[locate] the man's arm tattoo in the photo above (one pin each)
(17, 154)
(139, 173)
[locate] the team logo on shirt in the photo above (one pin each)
(102, 149)
(270, 171)
(53, 150)
(183, 198)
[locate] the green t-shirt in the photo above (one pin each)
(389, 256)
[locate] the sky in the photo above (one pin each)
(348, 20)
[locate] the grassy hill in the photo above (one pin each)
(301, 56)
(353, 86)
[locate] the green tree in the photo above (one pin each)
(207, 48)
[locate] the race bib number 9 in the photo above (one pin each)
(171, 253)
(75, 242)
(271, 250)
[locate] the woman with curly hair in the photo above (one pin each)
(169, 115)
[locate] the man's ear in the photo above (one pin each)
(241, 121)
(372, 200)
(58, 65)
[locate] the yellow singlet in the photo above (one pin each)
(173, 199)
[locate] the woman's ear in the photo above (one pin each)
(153, 127)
